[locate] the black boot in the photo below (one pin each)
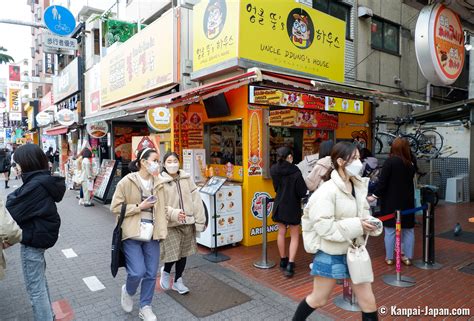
(6, 184)
(370, 316)
(303, 311)
(283, 263)
(290, 269)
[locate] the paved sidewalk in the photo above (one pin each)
(87, 231)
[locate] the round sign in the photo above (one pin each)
(59, 20)
(158, 119)
(98, 130)
(439, 44)
(65, 117)
(43, 119)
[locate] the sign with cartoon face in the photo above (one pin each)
(257, 205)
(275, 34)
(214, 18)
(300, 28)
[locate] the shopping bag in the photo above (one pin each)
(118, 258)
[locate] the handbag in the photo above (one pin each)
(118, 258)
(146, 232)
(359, 263)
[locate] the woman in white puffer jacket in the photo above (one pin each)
(337, 212)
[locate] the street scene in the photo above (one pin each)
(236, 160)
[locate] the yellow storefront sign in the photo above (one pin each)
(277, 33)
(145, 62)
(342, 105)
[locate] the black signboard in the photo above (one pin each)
(103, 180)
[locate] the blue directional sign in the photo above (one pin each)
(59, 20)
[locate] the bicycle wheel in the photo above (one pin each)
(385, 140)
(412, 141)
(430, 142)
(378, 146)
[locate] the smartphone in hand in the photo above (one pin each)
(152, 199)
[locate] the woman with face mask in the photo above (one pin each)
(143, 197)
(290, 188)
(185, 213)
(337, 212)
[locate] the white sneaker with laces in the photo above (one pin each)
(165, 280)
(180, 287)
(126, 300)
(147, 314)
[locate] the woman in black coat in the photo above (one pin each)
(33, 207)
(5, 165)
(396, 191)
(290, 188)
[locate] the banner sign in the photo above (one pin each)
(341, 105)
(14, 72)
(92, 90)
(67, 82)
(14, 98)
(303, 118)
(146, 62)
(287, 35)
(285, 98)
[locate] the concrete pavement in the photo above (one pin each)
(87, 231)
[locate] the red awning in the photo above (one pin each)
(58, 130)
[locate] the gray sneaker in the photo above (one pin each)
(147, 314)
(165, 280)
(180, 287)
(126, 300)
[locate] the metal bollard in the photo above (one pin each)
(397, 279)
(347, 300)
(428, 261)
(264, 263)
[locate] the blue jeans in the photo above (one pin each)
(408, 242)
(34, 268)
(142, 260)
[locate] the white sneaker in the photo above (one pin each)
(180, 287)
(310, 266)
(147, 314)
(126, 300)
(165, 280)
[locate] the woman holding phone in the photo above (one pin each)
(185, 213)
(143, 197)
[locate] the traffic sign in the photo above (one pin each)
(57, 42)
(59, 20)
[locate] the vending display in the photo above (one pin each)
(194, 163)
(229, 217)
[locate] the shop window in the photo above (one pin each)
(385, 36)
(224, 143)
(336, 9)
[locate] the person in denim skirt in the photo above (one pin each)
(337, 212)
(140, 191)
(33, 207)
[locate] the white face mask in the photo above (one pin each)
(153, 168)
(354, 168)
(172, 168)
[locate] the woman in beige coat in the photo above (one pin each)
(185, 212)
(144, 198)
(10, 233)
(315, 177)
(337, 212)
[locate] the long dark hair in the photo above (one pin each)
(343, 150)
(283, 153)
(31, 158)
(325, 148)
(401, 148)
(168, 155)
(144, 153)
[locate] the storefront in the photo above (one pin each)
(143, 68)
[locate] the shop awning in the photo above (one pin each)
(58, 130)
(255, 75)
(456, 111)
(109, 114)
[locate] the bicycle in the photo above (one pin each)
(429, 141)
(384, 139)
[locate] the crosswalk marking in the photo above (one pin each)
(93, 283)
(69, 253)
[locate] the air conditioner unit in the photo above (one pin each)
(454, 190)
(364, 12)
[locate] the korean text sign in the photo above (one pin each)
(279, 33)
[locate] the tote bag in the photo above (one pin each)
(118, 258)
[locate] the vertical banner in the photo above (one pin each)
(14, 72)
(14, 99)
(255, 142)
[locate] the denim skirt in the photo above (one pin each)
(330, 266)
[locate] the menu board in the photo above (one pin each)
(213, 185)
(303, 118)
(103, 179)
(229, 215)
